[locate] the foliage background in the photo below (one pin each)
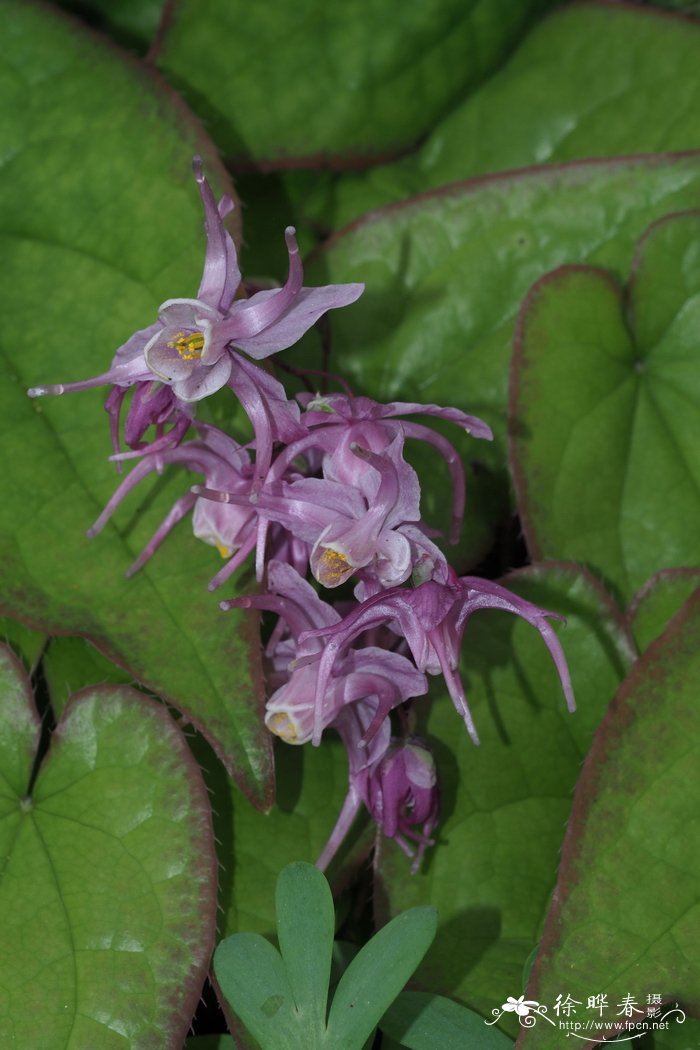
(518, 185)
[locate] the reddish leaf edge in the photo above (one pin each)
(615, 721)
(549, 173)
(518, 365)
(187, 996)
(256, 783)
(657, 580)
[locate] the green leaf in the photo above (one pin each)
(70, 664)
(626, 916)
(658, 601)
(606, 397)
(253, 979)
(590, 80)
(376, 976)
(99, 223)
(446, 273)
(305, 929)
(505, 803)
(27, 644)
(422, 1021)
(107, 873)
(423, 58)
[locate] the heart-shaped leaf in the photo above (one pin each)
(108, 870)
(99, 224)
(625, 922)
(505, 803)
(606, 412)
(422, 59)
(446, 274)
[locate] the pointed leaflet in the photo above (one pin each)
(423, 58)
(505, 803)
(606, 412)
(98, 225)
(107, 873)
(626, 917)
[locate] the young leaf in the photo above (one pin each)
(305, 929)
(253, 979)
(376, 975)
(423, 1021)
(606, 402)
(108, 870)
(626, 916)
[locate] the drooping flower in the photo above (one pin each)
(377, 678)
(231, 529)
(432, 619)
(348, 528)
(379, 421)
(404, 798)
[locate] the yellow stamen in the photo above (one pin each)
(225, 552)
(333, 568)
(281, 725)
(189, 347)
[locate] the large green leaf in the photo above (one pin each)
(108, 871)
(446, 274)
(505, 803)
(253, 847)
(626, 916)
(276, 82)
(658, 601)
(100, 222)
(590, 80)
(606, 412)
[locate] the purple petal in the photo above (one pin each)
(204, 380)
(289, 326)
(221, 275)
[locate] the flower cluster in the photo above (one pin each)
(322, 488)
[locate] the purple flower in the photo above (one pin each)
(432, 619)
(190, 347)
(353, 524)
(379, 420)
(376, 678)
(402, 794)
(231, 529)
